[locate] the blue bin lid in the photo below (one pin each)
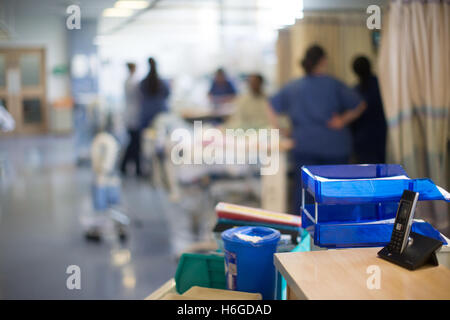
(253, 236)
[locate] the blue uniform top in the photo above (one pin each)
(310, 103)
(152, 104)
(224, 89)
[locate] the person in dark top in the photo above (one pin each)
(369, 130)
(154, 93)
(222, 89)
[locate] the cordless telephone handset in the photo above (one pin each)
(403, 221)
(421, 250)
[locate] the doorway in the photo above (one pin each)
(23, 88)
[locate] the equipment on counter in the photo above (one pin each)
(347, 206)
(419, 251)
(403, 250)
(403, 221)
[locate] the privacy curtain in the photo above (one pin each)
(414, 74)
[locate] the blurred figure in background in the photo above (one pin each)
(320, 108)
(222, 89)
(369, 130)
(154, 94)
(132, 121)
(251, 106)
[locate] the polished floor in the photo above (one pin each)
(44, 196)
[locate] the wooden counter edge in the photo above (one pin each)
(168, 287)
(290, 282)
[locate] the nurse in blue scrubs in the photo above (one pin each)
(222, 89)
(320, 108)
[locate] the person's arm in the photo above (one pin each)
(339, 121)
(352, 105)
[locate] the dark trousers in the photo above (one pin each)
(300, 160)
(133, 152)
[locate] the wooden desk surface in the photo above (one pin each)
(342, 274)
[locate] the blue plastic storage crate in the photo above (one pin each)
(354, 205)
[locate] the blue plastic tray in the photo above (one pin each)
(356, 184)
(350, 196)
(369, 235)
(334, 214)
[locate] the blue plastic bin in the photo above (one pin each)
(249, 264)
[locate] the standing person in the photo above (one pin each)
(154, 94)
(250, 107)
(222, 89)
(320, 108)
(369, 130)
(132, 121)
